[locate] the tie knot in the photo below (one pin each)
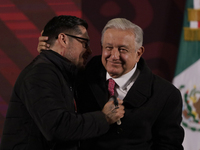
(111, 85)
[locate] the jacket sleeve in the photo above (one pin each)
(42, 95)
(167, 132)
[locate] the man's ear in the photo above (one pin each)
(63, 40)
(139, 52)
(101, 46)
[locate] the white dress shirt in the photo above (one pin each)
(124, 83)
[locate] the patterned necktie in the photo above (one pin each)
(111, 85)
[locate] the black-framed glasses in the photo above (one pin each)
(85, 44)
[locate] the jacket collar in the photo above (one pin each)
(68, 69)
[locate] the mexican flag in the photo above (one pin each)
(187, 74)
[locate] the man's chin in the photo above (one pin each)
(114, 74)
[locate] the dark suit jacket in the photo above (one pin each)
(153, 109)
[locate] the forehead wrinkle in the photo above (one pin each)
(108, 44)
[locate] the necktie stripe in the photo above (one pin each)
(111, 85)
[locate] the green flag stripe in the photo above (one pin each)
(189, 51)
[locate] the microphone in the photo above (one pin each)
(113, 98)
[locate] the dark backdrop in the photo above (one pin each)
(21, 22)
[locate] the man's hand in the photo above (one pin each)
(42, 45)
(113, 113)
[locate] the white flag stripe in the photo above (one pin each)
(196, 4)
(189, 76)
(191, 140)
(193, 24)
(190, 80)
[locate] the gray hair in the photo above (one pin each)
(124, 24)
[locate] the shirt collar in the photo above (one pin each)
(123, 80)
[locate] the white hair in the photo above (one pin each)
(124, 24)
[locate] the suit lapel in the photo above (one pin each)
(141, 89)
(98, 85)
(100, 93)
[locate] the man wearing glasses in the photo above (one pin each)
(82, 58)
(42, 110)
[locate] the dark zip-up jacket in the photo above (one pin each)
(41, 113)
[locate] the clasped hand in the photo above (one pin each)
(113, 113)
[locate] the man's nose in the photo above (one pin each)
(115, 53)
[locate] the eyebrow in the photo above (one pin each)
(109, 44)
(123, 46)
